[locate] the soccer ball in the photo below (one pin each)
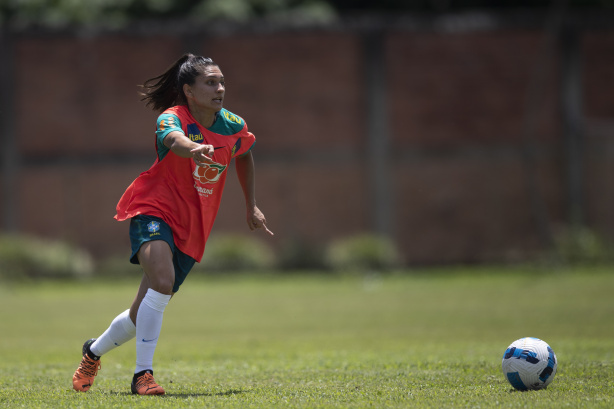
(529, 364)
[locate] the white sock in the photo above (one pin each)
(120, 331)
(148, 326)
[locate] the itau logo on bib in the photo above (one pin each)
(209, 173)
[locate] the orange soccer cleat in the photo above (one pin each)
(146, 385)
(83, 379)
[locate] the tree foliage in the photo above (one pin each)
(19, 14)
(119, 13)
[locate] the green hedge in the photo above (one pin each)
(231, 252)
(27, 257)
(582, 246)
(362, 253)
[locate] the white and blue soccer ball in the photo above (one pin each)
(529, 364)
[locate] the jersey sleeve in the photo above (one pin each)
(166, 124)
(244, 144)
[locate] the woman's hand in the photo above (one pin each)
(201, 154)
(183, 147)
(256, 220)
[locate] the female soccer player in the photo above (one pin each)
(172, 206)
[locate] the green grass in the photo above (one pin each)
(419, 340)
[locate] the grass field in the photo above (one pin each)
(417, 340)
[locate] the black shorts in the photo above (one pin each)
(148, 228)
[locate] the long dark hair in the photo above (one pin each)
(166, 90)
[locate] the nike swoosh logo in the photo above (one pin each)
(149, 340)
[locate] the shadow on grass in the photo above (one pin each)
(191, 395)
(196, 395)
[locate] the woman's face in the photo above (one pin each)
(208, 90)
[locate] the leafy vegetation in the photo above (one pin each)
(24, 257)
(363, 253)
(121, 13)
(236, 253)
(582, 246)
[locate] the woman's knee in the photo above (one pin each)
(162, 283)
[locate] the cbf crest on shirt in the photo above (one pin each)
(185, 195)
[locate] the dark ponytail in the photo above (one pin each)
(166, 90)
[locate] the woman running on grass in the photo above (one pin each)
(172, 206)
